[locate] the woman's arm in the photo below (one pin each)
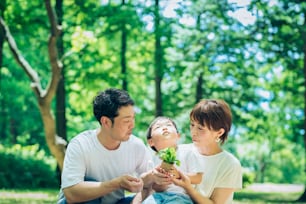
(219, 196)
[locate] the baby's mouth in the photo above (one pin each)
(166, 134)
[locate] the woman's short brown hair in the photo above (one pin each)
(214, 114)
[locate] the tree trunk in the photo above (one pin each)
(61, 122)
(2, 105)
(199, 91)
(123, 53)
(56, 144)
(303, 197)
(158, 62)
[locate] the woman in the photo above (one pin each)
(210, 123)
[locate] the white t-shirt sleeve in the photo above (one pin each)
(231, 177)
(74, 165)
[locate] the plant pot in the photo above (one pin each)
(169, 168)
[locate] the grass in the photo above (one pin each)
(46, 196)
(245, 197)
(37, 196)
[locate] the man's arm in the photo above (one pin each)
(89, 190)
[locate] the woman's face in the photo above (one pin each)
(163, 135)
(202, 135)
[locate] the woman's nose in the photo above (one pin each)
(193, 132)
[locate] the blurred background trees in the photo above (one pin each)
(167, 55)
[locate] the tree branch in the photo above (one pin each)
(56, 65)
(36, 85)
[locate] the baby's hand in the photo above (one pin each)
(172, 172)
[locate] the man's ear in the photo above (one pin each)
(105, 121)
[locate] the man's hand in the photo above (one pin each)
(131, 183)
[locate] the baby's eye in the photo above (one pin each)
(155, 127)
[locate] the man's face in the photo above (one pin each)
(124, 123)
(163, 135)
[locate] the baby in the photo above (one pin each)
(163, 133)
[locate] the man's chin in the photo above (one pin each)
(127, 137)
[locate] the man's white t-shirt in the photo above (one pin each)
(87, 159)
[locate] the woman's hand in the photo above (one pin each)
(183, 181)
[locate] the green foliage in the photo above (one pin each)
(26, 167)
(168, 155)
(256, 68)
(248, 177)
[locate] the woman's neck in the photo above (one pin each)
(210, 150)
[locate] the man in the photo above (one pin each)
(99, 163)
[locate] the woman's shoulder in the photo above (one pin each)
(231, 159)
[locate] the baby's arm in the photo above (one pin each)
(195, 178)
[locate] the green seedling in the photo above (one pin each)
(168, 155)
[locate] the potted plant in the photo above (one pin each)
(168, 157)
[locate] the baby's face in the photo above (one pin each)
(163, 135)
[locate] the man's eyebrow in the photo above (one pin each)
(129, 116)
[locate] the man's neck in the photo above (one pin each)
(106, 140)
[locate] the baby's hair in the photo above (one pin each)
(159, 118)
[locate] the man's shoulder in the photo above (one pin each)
(84, 136)
(135, 140)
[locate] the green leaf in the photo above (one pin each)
(168, 155)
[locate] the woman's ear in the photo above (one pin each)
(221, 132)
